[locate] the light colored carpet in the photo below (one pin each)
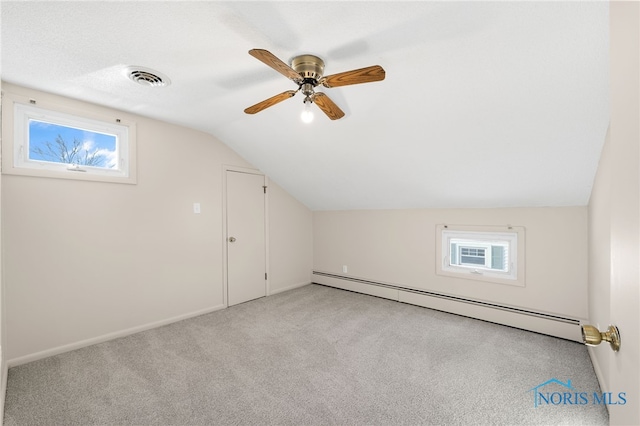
(311, 356)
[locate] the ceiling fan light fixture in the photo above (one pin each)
(307, 114)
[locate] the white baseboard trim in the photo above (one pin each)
(539, 322)
(4, 370)
(550, 327)
(358, 287)
(604, 386)
(291, 287)
(14, 362)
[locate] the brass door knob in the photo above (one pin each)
(592, 336)
(232, 239)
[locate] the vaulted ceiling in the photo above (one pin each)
(485, 104)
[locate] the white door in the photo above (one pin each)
(246, 248)
(624, 365)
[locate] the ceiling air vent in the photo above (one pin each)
(147, 77)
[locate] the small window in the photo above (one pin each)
(51, 143)
(74, 147)
(485, 255)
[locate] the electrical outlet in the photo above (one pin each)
(344, 269)
(196, 208)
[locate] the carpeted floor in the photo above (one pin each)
(311, 356)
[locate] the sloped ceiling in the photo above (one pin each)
(485, 104)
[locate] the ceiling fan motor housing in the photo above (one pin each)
(308, 66)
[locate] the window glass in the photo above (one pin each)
(69, 145)
(481, 254)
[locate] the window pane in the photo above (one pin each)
(471, 260)
(69, 145)
(454, 254)
(498, 258)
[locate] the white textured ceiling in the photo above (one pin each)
(485, 104)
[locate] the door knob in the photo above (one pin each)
(592, 336)
(232, 239)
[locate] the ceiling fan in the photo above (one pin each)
(307, 72)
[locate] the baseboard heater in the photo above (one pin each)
(553, 325)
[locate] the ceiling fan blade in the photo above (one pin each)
(270, 102)
(362, 75)
(271, 60)
(327, 106)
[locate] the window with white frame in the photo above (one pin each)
(52, 142)
(495, 254)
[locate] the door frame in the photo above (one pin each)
(225, 169)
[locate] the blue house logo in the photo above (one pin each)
(569, 396)
(539, 397)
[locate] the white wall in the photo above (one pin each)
(3, 360)
(84, 261)
(290, 241)
(398, 247)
